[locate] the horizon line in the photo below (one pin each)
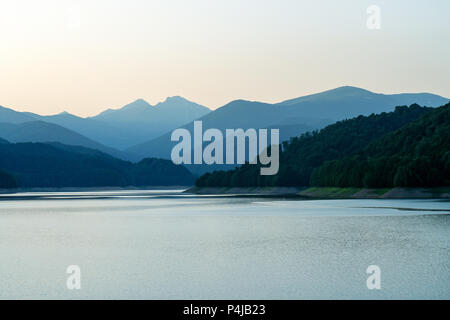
(213, 109)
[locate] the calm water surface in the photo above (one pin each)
(167, 245)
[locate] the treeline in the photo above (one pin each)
(58, 165)
(7, 181)
(308, 159)
(417, 155)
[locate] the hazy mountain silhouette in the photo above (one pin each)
(145, 130)
(99, 131)
(236, 114)
(11, 116)
(315, 110)
(134, 123)
(348, 102)
(3, 141)
(40, 131)
(173, 111)
(142, 122)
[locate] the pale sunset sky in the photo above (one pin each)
(86, 56)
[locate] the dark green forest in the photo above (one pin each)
(362, 151)
(416, 155)
(7, 181)
(58, 165)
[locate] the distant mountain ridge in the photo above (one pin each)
(99, 131)
(3, 141)
(347, 102)
(41, 131)
(140, 110)
(142, 130)
(300, 114)
(11, 116)
(345, 92)
(142, 121)
(121, 128)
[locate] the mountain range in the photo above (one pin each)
(41, 131)
(135, 122)
(140, 130)
(415, 155)
(294, 116)
(408, 147)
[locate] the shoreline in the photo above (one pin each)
(86, 189)
(307, 193)
(316, 193)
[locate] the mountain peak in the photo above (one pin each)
(175, 99)
(336, 93)
(179, 103)
(240, 103)
(140, 100)
(348, 89)
(138, 103)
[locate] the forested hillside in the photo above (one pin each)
(301, 155)
(417, 155)
(58, 165)
(6, 180)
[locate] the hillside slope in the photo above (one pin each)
(58, 165)
(40, 131)
(7, 181)
(416, 155)
(12, 116)
(302, 154)
(3, 141)
(121, 128)
(303, 114)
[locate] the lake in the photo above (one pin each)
(169, 245)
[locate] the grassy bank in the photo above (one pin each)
(331, 193)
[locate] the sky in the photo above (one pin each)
(86, 56)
